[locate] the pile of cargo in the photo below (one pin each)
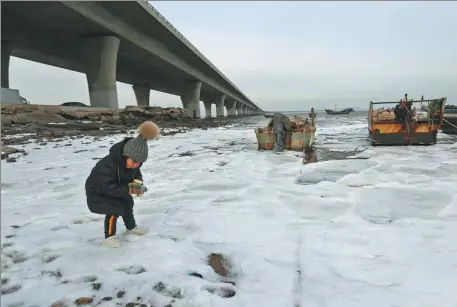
(383, 114)
(420, 115)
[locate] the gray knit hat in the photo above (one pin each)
(137, 148)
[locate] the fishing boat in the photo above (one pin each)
(403, 124)
(284, 132)
(336, 112)
(449, 125)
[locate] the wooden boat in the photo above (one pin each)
(449, 125)
(299, 133)
(404, 125)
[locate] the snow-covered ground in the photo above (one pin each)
(380, 230)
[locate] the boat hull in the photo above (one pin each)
(391, 134)
(296, 141)
(331, 112)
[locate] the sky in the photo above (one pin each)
(288, 56)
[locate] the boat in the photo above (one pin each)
(449, 125)
(403, 124)
(268, 115)
(284, 132)
(335, 112)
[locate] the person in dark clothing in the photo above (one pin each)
(115, 178)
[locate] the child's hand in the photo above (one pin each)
(137, 188)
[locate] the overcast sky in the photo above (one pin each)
(294, 55)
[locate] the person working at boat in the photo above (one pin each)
(403, 112)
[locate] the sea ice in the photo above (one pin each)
(378, 231)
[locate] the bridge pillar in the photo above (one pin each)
(220, 106)
(100, 56)
(190, 99)
(142, 94)
(6, 54)
(207, 105)
(231, 107)
(239, 108)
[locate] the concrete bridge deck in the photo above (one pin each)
(109, 41)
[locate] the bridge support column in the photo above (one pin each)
(207, 105)
(245, 109)
(220, 106)
(239, 108)
(100, 56)
(190, 99)
(6, 54)
(231, 107)
(142, 94)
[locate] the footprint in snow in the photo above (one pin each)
(133, 269)
(16, 256)
(56, 228)
(10, 289)
(86, 219)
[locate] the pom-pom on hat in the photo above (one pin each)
(137, 148)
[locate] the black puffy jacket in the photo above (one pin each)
(107, 189)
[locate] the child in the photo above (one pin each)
(109, 187)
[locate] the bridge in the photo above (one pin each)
(109, 41)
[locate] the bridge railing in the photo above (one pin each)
(176, 31)
(186, 40)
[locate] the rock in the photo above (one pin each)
(47, 117)
(4, 155)
(74, 115)
(21, 119)
(219, 264)
(84, 301)
(114, 120)
(138, 111)
(6, 120)
(120, 294)
(10, 160)
(10, 150)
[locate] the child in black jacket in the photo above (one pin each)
(115, 178)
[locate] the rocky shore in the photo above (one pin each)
(21, 124)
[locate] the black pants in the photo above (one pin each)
(111, 221)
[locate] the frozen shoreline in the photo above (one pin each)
(380, 231)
